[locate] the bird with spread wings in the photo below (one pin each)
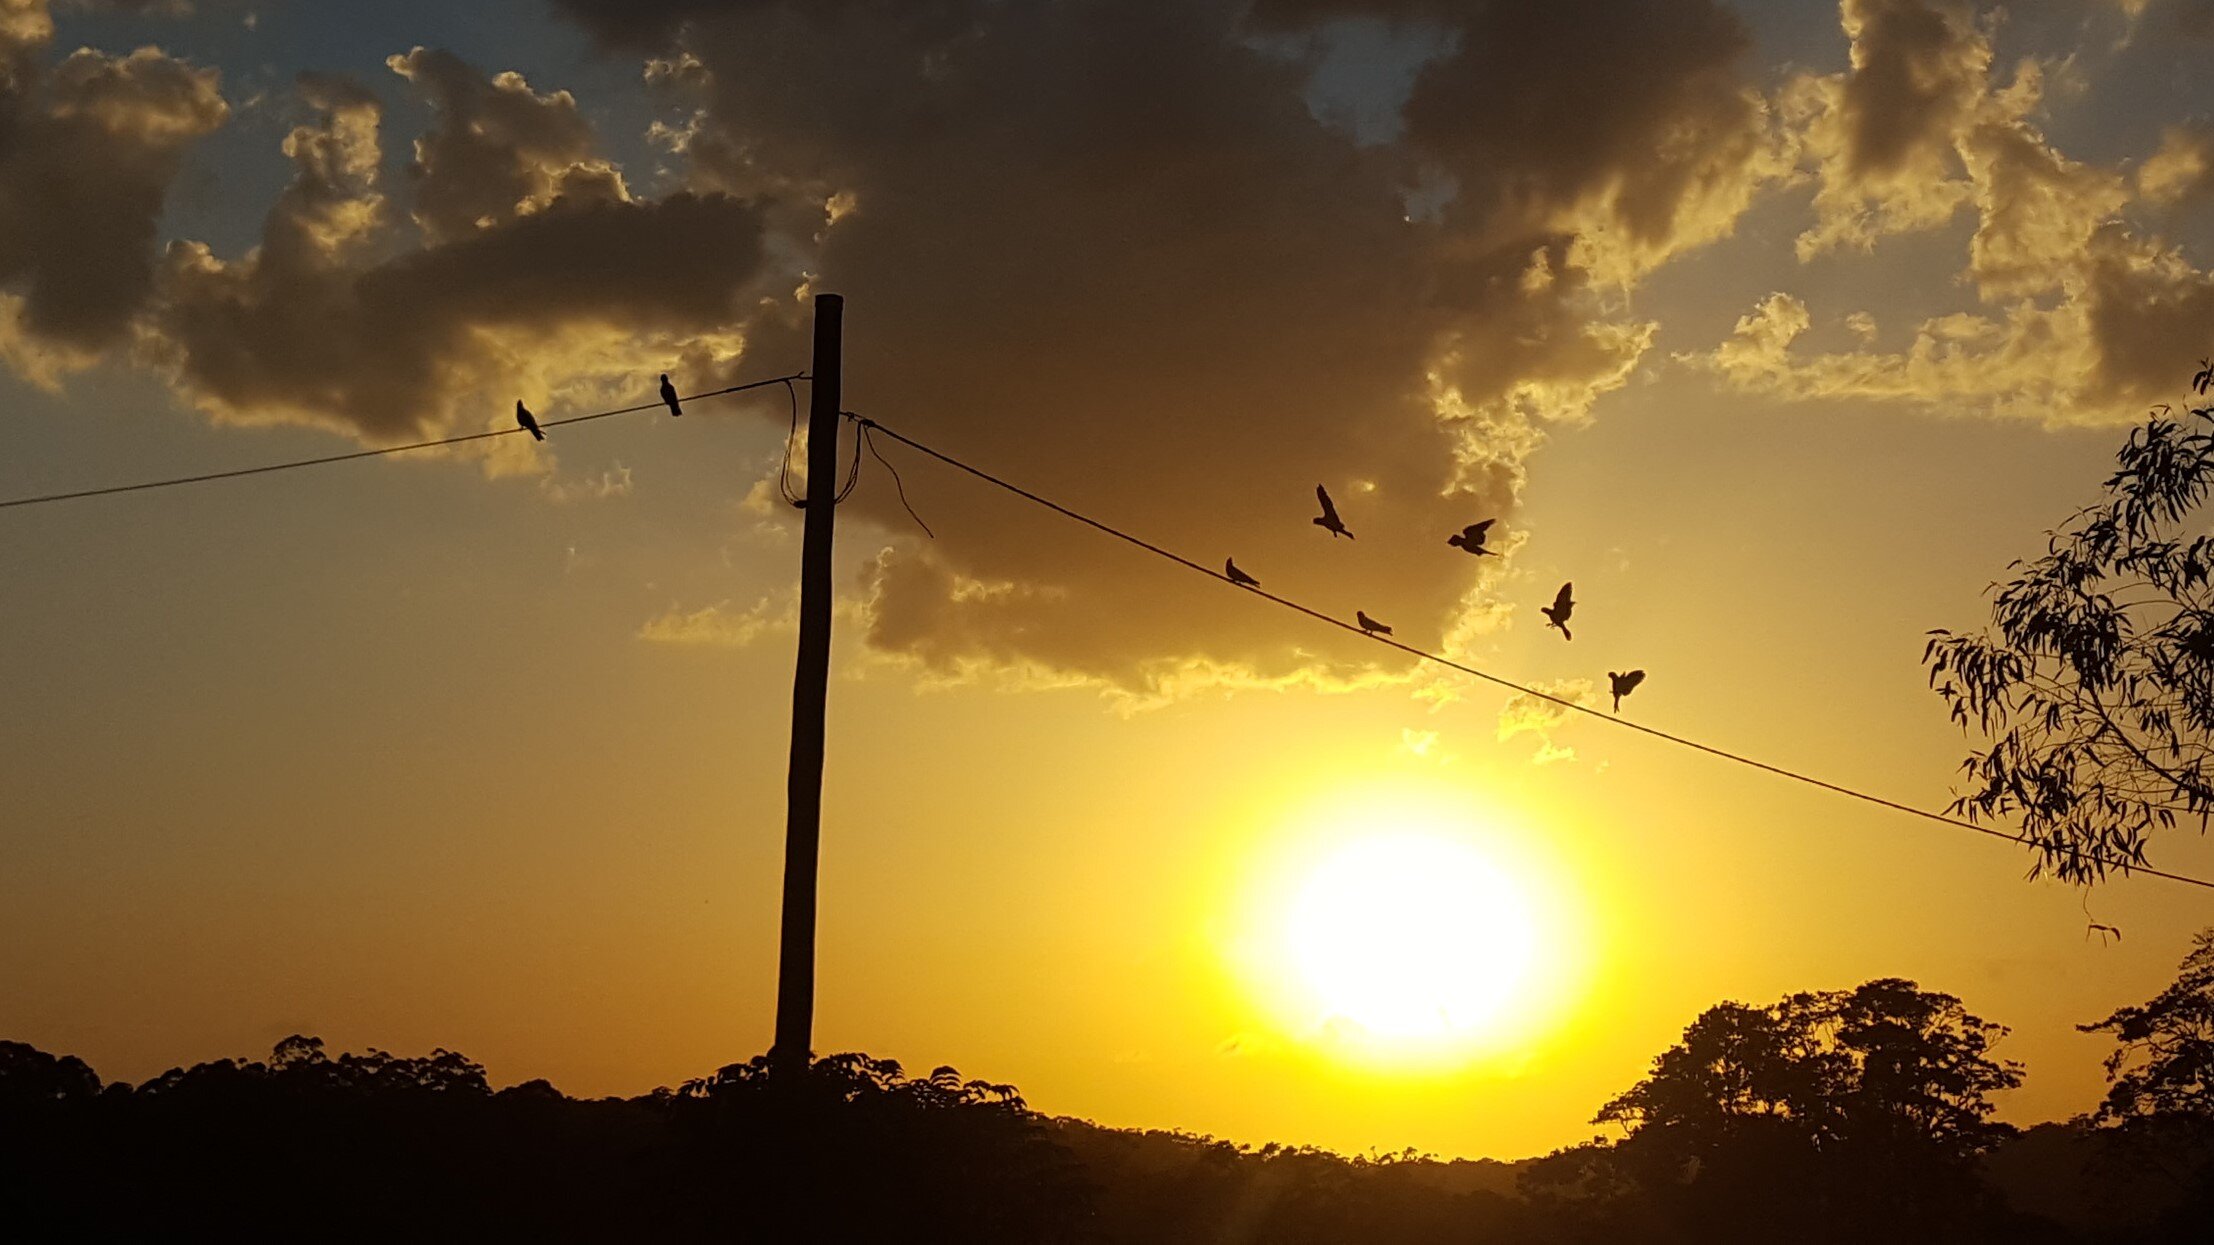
(1329, 520)
(1471, 538)
(1623, 685)
(1556, 614)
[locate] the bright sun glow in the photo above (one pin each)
(1407, 930)
(1411, 936)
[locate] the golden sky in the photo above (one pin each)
(1778, 329)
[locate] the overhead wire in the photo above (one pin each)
(382, 451)
(867, 427)
(865, 430)
(853, 472)
(2120, 865)
(791, 435)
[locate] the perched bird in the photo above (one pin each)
(1230, 568)
(1370, 625)
(1471, 538)
(1329, 522)
(1623, 685)
(1556, 614)
(668, 395)
(524, 419)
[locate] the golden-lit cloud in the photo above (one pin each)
(1137, 227)
(1422, 744)
(1661, 160)
(2132, 314)
(538, 273)
(2183, 168)
(2038, 212)
(2079, 317)
(518, 263)
(1525, 714)
(42, 361)
(1132, 225)
(719, 625)
(499, 150)
(604, 485)
(2030, 362)
(1882, 136)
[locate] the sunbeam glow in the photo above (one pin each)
(1407, 932)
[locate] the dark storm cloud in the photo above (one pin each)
(1108, 248)
(327, 321)
(518, 257)
(497, 149)
(1918, 70)
(88, 149)
(1634, 103)
(2150, 313)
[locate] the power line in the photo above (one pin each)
(350, 456)
(2125, 867)
(865, 428)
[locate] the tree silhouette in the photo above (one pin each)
(2094, 686)
(1886, 1063)
(1842, 1115)
(374, 1146)
(2164, 1063)
(30, 1077)
(2158, 1113)
(1856, 1116)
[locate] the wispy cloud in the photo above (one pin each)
(1532, 715)
(719, 625)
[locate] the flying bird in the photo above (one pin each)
(1556, 614)
(1230, 568)
(1471, 538)
(669, 395)
(2103, 931)
(1623, 685)
(1370, 625)
(1329, 522)
(524, 419)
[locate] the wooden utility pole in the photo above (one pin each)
(795, 977)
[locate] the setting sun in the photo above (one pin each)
(1411, 935)
(1405, 929)
(1403, 621)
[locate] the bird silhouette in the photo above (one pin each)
(1556, 614)
(1329, 522)
(1370, 625)
(1471, 538)
(524, 419)
(1230, 568)
(1623, 685)
(669, 395)
(2103, 931)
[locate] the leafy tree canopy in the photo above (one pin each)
(1886, 1064)
(2094, 686)
(2163, 1063)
